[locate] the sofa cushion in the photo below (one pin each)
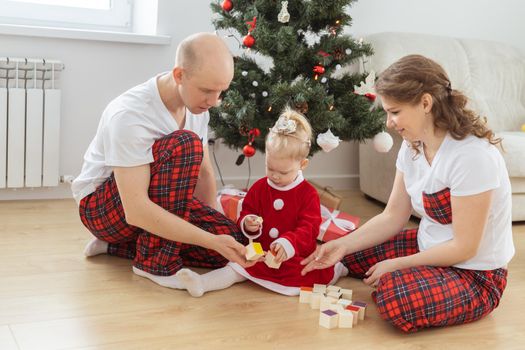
(514, 152)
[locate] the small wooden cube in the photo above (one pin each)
(344, 302)
(315, 300)
(346, 319)
(362, 308)
(335, 295)
(319, 288)
(333, 289)
(304, 295)
(326, 302)
(269, 260)
(328, 319)
(254, 251)
(346, 293)
(355, 311)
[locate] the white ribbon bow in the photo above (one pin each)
(343, 224)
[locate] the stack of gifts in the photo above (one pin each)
(335, 223)
(229, 202)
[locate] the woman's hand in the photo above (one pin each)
(324, 256)
(379, 269)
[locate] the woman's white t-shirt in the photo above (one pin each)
(467, 167)
(129, 126)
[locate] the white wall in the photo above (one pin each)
(96, 71)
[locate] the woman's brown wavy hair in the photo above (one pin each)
(406, 80)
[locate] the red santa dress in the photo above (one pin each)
(291, 216)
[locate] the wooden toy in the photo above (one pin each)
(259, 220)
(344, 302)
(326, 302)
(346, 319)
(254, 251)
(355, 311)
(335, 295)
(304, 295)
(333, 289)
(319, 288)
(328, 319)
(362, 308)
(315, 300)
(269, 259)
(346, 293)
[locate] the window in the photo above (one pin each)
(84, 14)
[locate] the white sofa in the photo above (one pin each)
(491, 74)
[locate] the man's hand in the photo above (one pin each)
(232, 250)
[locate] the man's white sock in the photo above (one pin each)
(218, 279)
(95, 247)
(165, 281)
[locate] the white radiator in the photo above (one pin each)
(29, 122)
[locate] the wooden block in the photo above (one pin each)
(336, 307)
(304, 295)
(254, 251)
(346, 293)
(269, 260)
(355, 311)
(315, 300)
(333, 289)
(319, 288)
(362, 308)
(346, 319)
(325, 302)
(344, 302)
(335, 295)
(328, 319)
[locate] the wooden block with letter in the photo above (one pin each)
(328, 319)
(362, 308)
(254, 251)
(269, 259)
(304, 295)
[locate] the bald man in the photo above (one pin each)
(147, 187)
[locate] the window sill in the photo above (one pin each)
(84, 34)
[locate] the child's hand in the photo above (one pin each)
(252, 223)
(279, 252)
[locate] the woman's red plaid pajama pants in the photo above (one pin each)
(174, 173)
(428, 296)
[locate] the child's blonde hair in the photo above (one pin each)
(290, 136)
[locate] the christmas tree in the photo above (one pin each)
(293, 52)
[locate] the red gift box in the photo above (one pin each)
(229, 202)
(336, 224)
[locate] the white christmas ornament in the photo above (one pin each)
(264, 93)
(244, 73)
(328, 141)
(382, 142)
(284, 16)
(367, 87)
(323, 80)
(255, 83)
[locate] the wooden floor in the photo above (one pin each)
(51, 297)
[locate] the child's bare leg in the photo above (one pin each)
(218, 279)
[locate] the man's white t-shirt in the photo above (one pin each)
(129, 126)
(467, 167)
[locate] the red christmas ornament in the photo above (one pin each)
(370, 96)
(227, 5)
(248, 150)
(318, 69)
(255, 132)
(248, 40)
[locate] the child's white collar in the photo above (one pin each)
(294, 184)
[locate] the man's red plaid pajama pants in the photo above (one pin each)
(174, 173)
(428, 296)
